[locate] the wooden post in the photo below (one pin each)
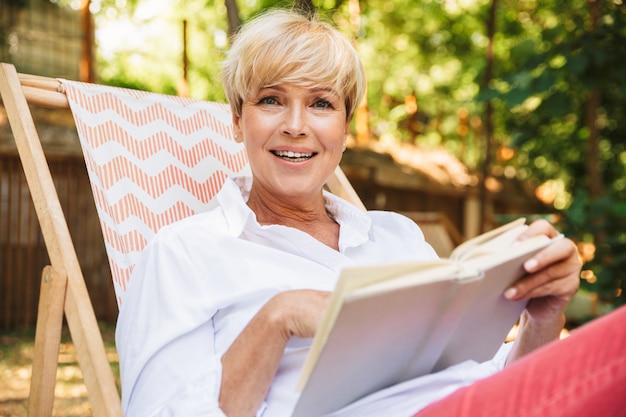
(86, 71)
(47, 342)
(472, 212)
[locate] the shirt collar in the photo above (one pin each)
(232, 199)
(355, 223)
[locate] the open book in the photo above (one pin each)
(389, 323)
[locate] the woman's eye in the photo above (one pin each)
(268, 100)
(323, 104)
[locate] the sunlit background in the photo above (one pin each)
(523, 104)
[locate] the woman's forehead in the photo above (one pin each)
(312, 86)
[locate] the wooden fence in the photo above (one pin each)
(22, 250)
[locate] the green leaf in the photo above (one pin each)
(577, 64)
(522, 79)
(519, 138)
(515, 97)
(619, 209)
(557, 105)
(544, 82)
(524, 49)
(486, 94)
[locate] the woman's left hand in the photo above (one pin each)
(553, 279)
(554, 275)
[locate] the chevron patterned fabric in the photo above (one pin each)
(152, 159)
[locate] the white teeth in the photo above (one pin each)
(293, 155)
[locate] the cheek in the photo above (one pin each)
(251, 130)
(333, 144)
(255, 124)
(335, 133)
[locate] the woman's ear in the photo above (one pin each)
(237, 129)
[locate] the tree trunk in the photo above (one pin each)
(595, 185)
(86, 68)
(596, 188)
(183, 84)
(486, 166)
(361, 117)
(232, 12)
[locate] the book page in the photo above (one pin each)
(442, 270)
(504, 250)
(493, 239)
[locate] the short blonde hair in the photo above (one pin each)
(283, 46)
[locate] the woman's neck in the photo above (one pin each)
(307, 215)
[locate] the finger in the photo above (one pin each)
(560, 278)
(539, 227)
(559, 251)
(563, 288)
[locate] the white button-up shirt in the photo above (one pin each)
(202, 279)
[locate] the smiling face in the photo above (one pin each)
(293, 84)
(294, 136)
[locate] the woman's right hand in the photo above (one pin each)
(249, 365)
(298, 312)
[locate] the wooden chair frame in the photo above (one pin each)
(63, 289)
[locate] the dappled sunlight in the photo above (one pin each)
(554, 192)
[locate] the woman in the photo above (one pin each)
(222, 308)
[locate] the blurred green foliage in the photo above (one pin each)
(542, 92)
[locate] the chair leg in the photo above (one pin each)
(47, 342)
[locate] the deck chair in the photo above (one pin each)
(151, 159)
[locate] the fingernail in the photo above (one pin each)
(530, 265)
(510, 293)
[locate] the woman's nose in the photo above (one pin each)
(295, 122)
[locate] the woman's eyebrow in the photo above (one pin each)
(326, 91)
(322, 92)
(271, 87)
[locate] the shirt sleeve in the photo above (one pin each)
(165, 337)
(400, 238)
(173, 387)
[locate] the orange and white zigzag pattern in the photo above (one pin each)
(152, 159)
